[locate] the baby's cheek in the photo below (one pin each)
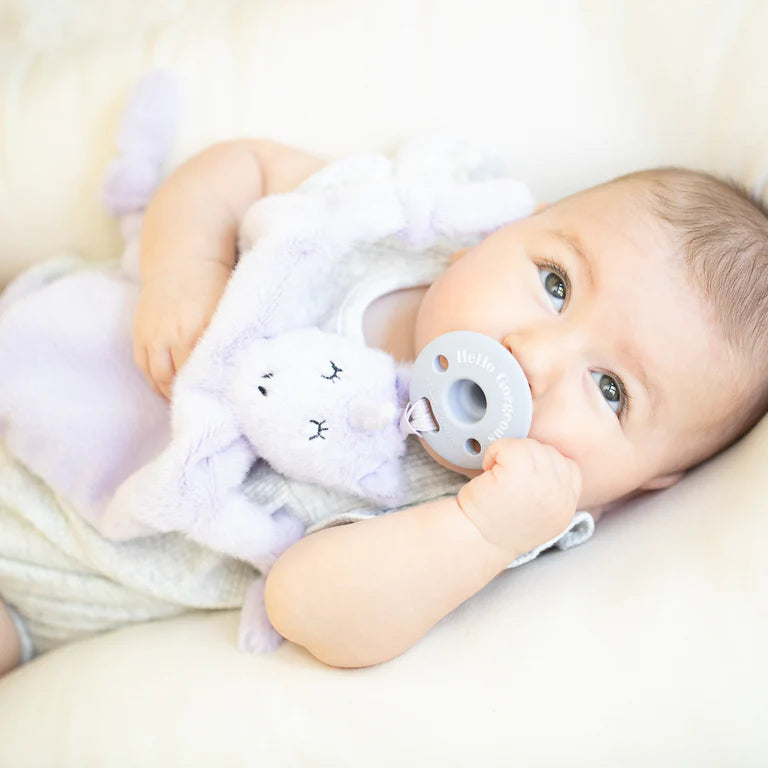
(579, 441)
(453, 301)
(608, 473)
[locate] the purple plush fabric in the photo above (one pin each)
(145, 137)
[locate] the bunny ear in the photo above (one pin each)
(450, 187)
(151, 499)
(256, 633)
(481, 206)
(119, 522)
(147, 131)
(188, 481)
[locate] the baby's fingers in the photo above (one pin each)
(505, 451)
(491, 456)
(161, 370)
(179, 354)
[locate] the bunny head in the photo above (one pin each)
(322, 407)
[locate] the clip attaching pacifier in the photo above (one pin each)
(477, 393)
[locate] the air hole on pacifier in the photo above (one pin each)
(441, 363)
(466, 401)
(472, 446)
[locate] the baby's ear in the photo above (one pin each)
(661, 482)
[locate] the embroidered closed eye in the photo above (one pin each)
(320, 429)
(335, 375)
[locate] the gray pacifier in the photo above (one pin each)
(476, 391)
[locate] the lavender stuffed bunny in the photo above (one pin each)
(259, 379)
(263, 383)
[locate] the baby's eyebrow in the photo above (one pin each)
(574, 245)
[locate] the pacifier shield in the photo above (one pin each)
(477, 392)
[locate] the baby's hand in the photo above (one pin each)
(174, 309)
(526, 495)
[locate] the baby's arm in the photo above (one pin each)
(189, 243)
(360, 594)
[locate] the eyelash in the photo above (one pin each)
(625, 399)
(562, 274)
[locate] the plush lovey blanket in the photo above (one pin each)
(260, 377)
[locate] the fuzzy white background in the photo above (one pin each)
(573, 91)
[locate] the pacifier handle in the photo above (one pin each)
(476, 391)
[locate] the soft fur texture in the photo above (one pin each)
(73, 406)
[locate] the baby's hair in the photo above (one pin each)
(722, 234)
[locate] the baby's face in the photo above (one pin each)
(629, 376)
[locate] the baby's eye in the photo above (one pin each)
(612, 390)
(556, 285)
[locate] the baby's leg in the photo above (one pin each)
(10, 642)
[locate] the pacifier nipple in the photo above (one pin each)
(466, 391)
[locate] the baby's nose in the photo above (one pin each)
(541, 357)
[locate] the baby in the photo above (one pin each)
(637, 310)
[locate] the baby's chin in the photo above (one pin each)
(470, 473)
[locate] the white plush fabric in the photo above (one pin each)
(644, 647)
